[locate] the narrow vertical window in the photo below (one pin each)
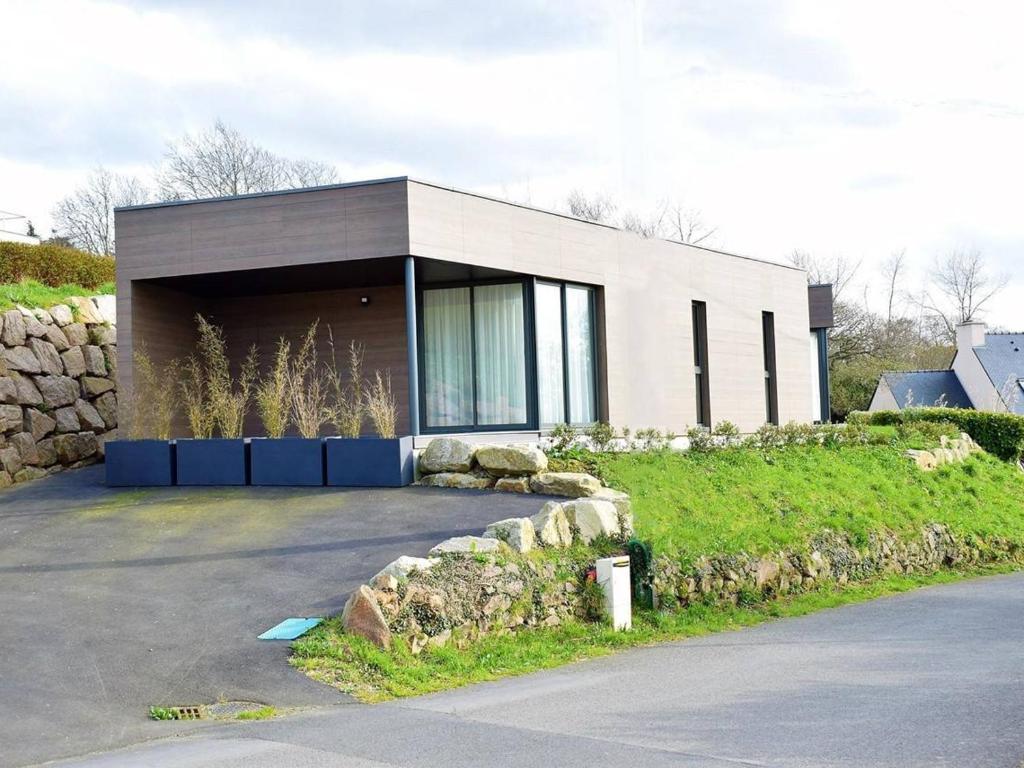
(771, 392)
(581, 384)
(550, 354)
(700, 363)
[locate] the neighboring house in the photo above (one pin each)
(13, 227)
(987, 374)
(491, 316)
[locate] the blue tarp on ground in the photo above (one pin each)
(289, 629)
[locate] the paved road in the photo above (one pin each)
(113, 600)
(930, 678)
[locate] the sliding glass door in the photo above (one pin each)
(474, 357)
(507, 355)
(566, 354)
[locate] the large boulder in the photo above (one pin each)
(57, 391)
(46, 354)
(77, 333)
(62, 315)
(28, 392)
(572, 484)
(8, 391)
(12, 331)
(401, 567)
(10, 460)
(103, 335)
(75, 447)
(6, 481)
(47, 452)
(623, 507)
(362, 616)
(592, 518)
(85, 309)
(33, 327)
(456, 480)
(467, 545)
(67, 419)
(38, 423)
(95, 363)
(513, 484)
(447, 454)
(26, 446)
(552, 526)
(21, 359)
(57, 337)
(517, 532)
(30, 473)
(89, 416)
(95, 385)
(511, 460)
(106, 406)
(10, 418)
(74, 362)
(107, 307)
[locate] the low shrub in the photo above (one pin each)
(1001, 434)
(54, 265)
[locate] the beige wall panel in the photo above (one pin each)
(648, 287)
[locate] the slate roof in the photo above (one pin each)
(927, 388)
(1002, 357)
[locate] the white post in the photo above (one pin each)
(613, 578)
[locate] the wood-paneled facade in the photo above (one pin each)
(267, 265)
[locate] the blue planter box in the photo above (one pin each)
(217, 461)
(286, 461)
(140, 462)
(369, 461)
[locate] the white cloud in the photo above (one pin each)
(842, 127)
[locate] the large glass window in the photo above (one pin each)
(579, 334)
(474, 356)
(550, 359)
(566, 378)
(448, 357)
(500, 354)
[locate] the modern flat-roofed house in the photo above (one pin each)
(987, 374)
(491, 316)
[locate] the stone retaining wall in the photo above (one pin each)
(457, 595)
(58, 387)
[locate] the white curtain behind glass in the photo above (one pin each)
(580, 343)
(500, 354)
(550, 384)
(447, 357)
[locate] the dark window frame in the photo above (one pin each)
(771, 385)
(529, 356)
(702, 381)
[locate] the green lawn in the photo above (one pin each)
(32, 294)
(692, 504)
(735, 500)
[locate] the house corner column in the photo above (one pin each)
(411, 345)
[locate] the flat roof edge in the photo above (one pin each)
(271, 193)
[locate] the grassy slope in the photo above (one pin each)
(693, 504)
(31, 294)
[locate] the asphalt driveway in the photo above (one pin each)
(112, 600)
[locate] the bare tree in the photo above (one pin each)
(893, 270)
(222, 162)
(598, 208)
(649, 226)
(839, 272)
(687, 225)
(85, 218)
(960, 288)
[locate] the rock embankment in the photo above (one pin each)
(58, 387)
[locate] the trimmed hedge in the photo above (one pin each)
(54, 265)
(1001, 434)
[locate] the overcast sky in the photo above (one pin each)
(840, 128)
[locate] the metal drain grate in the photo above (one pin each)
(176, 713)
